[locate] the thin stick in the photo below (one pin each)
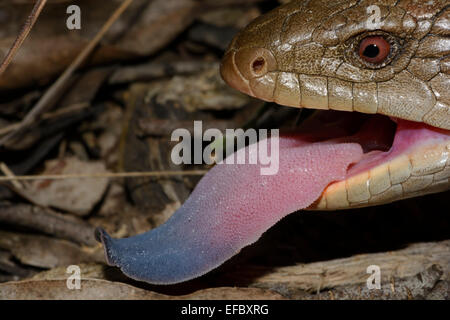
(106, 175)
(9, 128)
(39, 5)
(48, 115)
(43, 104)
(4, 168)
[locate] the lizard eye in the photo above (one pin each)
(374, 49)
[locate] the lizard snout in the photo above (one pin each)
(240, 67)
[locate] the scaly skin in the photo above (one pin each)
(305, 57)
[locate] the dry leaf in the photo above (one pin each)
(106, 290)
(45, 252)
(141, 30)
(77, 196)
(53, 285)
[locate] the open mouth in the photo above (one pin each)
(394, 151)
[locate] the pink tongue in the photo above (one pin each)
(247, 203)
(231, 207)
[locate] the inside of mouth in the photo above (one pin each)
(372, 132)
(375, 134)
(381, 138)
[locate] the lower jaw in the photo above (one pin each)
(402, 159)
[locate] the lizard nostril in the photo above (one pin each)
(258, 65)
(255, 62)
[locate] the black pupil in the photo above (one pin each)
(371, 51)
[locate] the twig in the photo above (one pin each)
(47, 116)
(61, 112)
(45, 102)
(49, 222)
(4, 168)
(9, 128)
(39, 5)
(105, 175)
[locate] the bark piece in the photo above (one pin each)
(319, 276)
(424, 285)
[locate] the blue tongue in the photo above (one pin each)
(231, 207)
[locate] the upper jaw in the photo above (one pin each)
(256, 72)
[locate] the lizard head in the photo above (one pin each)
(348, 56)
(371, 57)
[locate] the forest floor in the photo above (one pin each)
(155, 70)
